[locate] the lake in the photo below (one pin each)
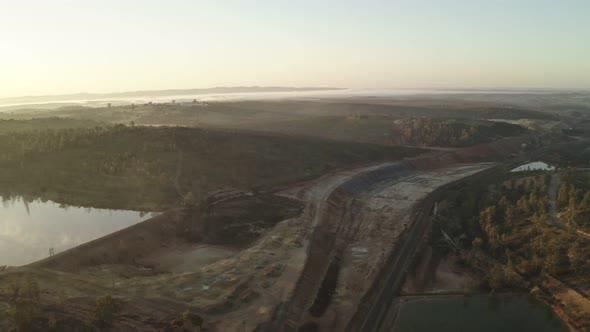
(29, 229)
(534, 166)
(506, 313)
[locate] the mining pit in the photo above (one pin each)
(312, 257)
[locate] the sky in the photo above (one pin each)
(58, 46)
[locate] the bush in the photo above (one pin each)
(23, 307)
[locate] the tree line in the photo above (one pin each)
(437, 132)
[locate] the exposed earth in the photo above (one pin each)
(331, 239)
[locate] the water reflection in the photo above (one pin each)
(30, 228)
(534, 166)
(507, 313)
(494, 303)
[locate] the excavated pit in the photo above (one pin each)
(331, 235)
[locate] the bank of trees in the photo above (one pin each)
(437, 132)
(512, 226)
(574, 200)
(134, 167)
(113, 167)
(430, 132)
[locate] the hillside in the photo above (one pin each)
(148, 168)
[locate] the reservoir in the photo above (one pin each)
(506, 313)
(28, 230)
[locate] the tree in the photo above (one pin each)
(464, 137)
(189, 199)
(511, 215)
(105, 310)
(477, 242)
(573, 199)
(503, 205)
(523, 206)
(552, 262)
(586, 200)
(575, 255)
(562, 197)
(496, 277)
(542, 204)
(573, 204)
(494, 236)
(533, 199)
(23, 304)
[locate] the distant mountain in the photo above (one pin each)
(157, 93)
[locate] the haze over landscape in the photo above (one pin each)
(294, 166)
(63, 47)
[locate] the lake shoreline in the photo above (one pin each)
(32, 230)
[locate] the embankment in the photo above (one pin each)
(128, 245)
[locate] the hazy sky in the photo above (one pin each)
(59, 46)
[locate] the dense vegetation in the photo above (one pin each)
(573, 154)
(574, 201)
(508, 220)
(436, 132)
(370, 129)
(11, 125)
(138, 167)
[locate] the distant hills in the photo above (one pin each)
(157, 93)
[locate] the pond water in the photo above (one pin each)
(534, 166)
(29, 229)
(511, 313)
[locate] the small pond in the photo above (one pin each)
(506, 313)
(29, 229)
(534, 166)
